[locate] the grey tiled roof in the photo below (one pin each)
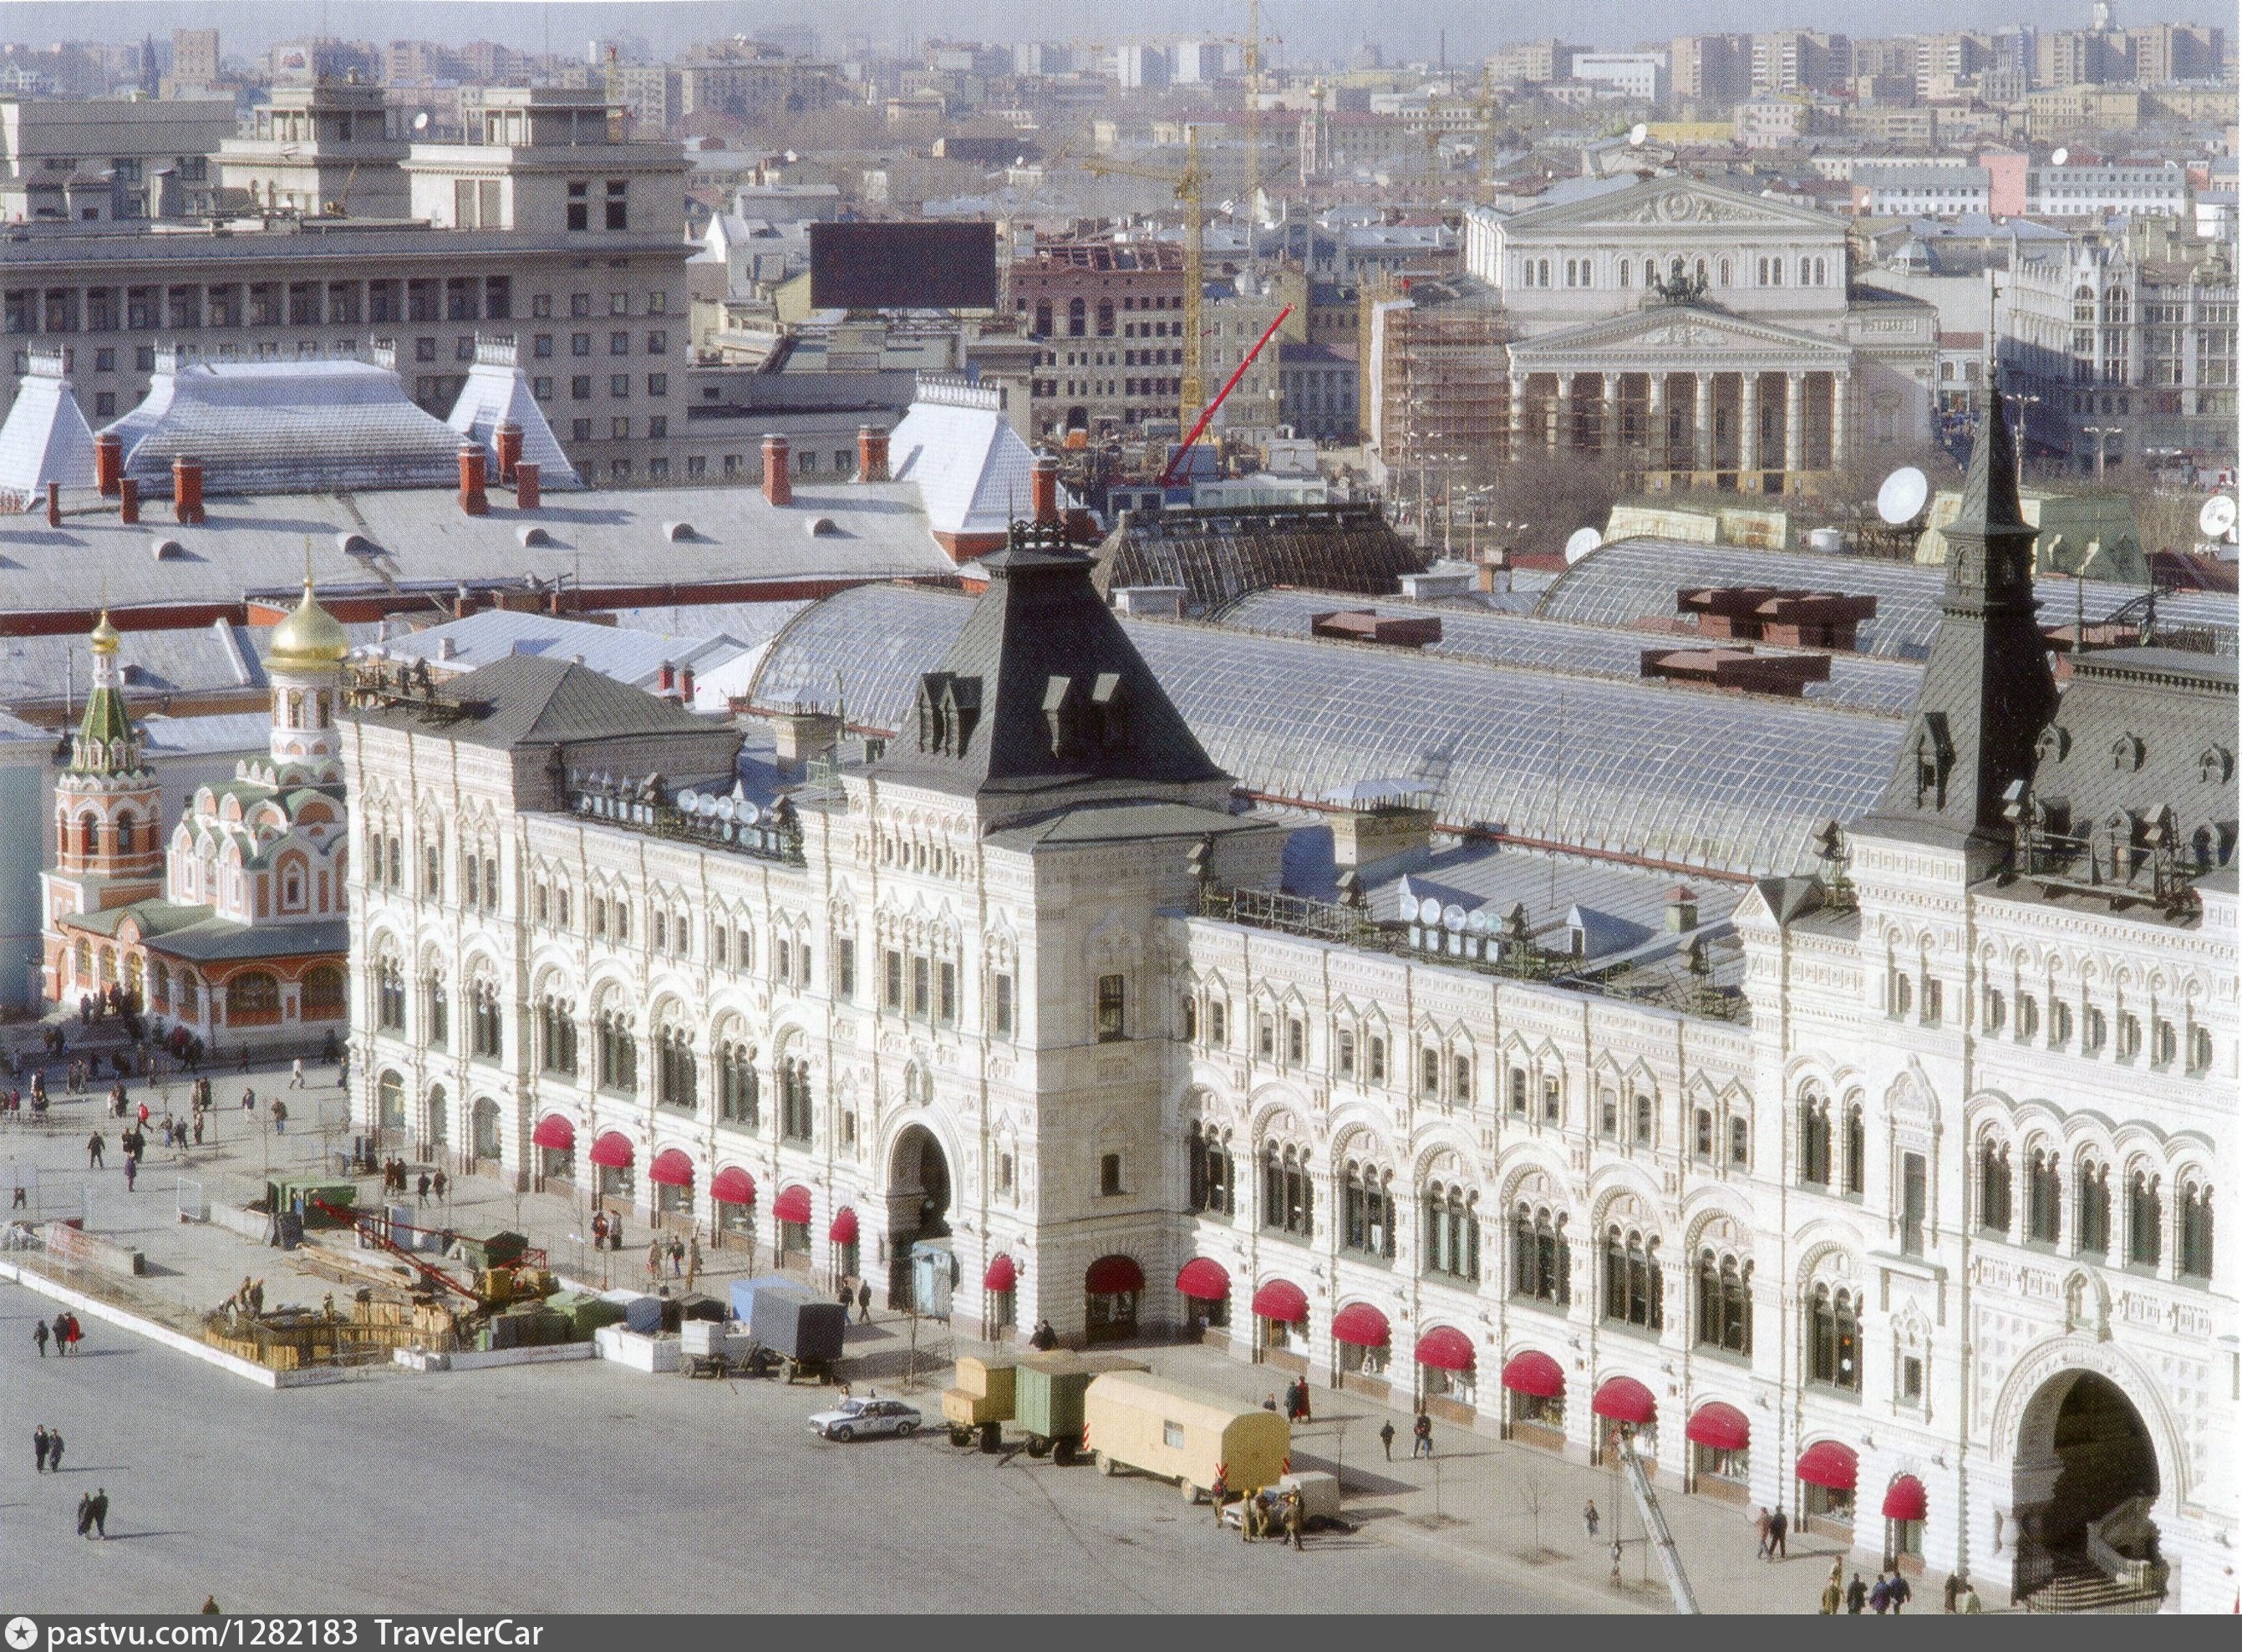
(45, 439)
(285, 426)
(526, 700)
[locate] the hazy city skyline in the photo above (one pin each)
(1406, 30)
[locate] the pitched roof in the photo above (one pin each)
(526, 700)
(44, 439)
(970, 465)
(498, 390)
(285, 426)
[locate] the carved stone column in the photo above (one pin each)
(1748, 432)
(1658, 442)
(1564, 433)
(1702, 414)
(1794, 427)
(1840, 389)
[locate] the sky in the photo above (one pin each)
(1310, 29)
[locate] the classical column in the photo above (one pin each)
(1517, 413)
(1613, 434)
(1841, 388)
(1794, 426)
(1748, 436)
(1700, 406)
(1564, 432)
(1658, 437)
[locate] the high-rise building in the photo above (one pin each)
(1711, 69)
(194, 58)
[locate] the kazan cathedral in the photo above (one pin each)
(235, 930)
(1876, 1182)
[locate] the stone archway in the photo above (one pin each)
(2085, 1481)
(918, 1200)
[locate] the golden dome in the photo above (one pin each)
(310, 638)
(105, 637)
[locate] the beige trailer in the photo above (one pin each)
(979, 1399)
(1182, 1434)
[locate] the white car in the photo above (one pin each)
(866, 1417)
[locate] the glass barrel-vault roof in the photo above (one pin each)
(1636, 579)
(1473, 633)
(1650, 771)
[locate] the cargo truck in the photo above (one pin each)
(1047, 1398)
(1189, 1435)
(802, 1331)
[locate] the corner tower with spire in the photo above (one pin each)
(306, 662)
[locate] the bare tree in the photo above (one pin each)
(1530, 1492)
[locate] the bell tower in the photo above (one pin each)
(306, 664)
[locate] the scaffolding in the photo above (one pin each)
(1440, 368)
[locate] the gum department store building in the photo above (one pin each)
(1888, 1198)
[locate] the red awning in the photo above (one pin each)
(844, 1231)
(1535, 1373)
(1721, 1427)
(1281, 1301)
(612, 1151)
(670, 1169)
(1203, 1281)
(733, 1186)
(1113, 1276)
(555, 1133)
(1828, 1464)
(792, 1204)
(1003, 1275)
(1624, 1399)
(1905, 1499)
(1446, 1348)
(1362, 1325)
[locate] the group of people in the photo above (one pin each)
(65, 1333)
(857, 1293)
(47, 1449)
(607, 1231)
(397, 1178)
(248, 1297)
(1889, 1592)
(1773, 1534)
(684, 1259)
(93, 1506)
(1268, 1513)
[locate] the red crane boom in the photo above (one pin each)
(1168, 476)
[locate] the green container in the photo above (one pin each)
(584, 1312)
(1048, 1389)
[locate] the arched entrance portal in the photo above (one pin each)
(918, 1207)
(2085, 1479)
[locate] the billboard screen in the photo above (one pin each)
(902, 267)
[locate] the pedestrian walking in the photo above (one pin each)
(1902, 1591)
(692, 1261)
(423, 1185)
(132, 1171)
(677, 1258)
(1296, 1522)
(54, 1450)
(1953, 1591)
(296, 1074)
(198, 1126)
(1385, 1438)
(1833, 1599)
(279, 1117)
(1765, 1526)
(62, 1334)
(865, 1313)
(84, 1512)
(1219, 1492)
(598, 1230)
(1857, 1595)
(248, 1099)
(437, 1187)
(1422, 1437)
(39, 1449)
(73, 1332)
(1778, 1534)
(615, 1231)
(93, 1148)
(1590, 1518)
(653, 1264)
(39, 1335)
(1969, 1603)
(1292, 1401)
(99, 1510)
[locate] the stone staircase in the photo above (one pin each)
(2078, 1586)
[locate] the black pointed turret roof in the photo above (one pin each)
(1043, 694)
(1987, 687)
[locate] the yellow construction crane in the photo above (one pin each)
(1252, 127)
(1190, 185)
(1486, 112)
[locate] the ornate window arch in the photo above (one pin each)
(1724, 1290)
(1635, 1277)
(1833, 1334)
(1996, 1184)
(1451, 1221)
(1287, 1190)
(1212, 1174)
(2195, 1246)
(676, 1067)
(1813, 1136)
(555, 1011)
(739, 1089)
(614, 1034)
(1366, 1208)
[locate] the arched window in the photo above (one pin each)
(1814, 1139)
(1287, 1200)
(324, 993)
(252, 998)
(389, 995)
(1626, 274)
(125, 831)
(738, 1088)
(1727, 277)
(2145, 1219)
(556, 1036)
(1994, 1193)
(2091, 1217)
(1541, 1261)
(1213, 1172)
(440, 1011)
(1724, 1306)
(485, 1022)
(1833, 1338)
(1857, 1150)
(2195, 1254)
(1740, 1143)
(797, 1105)
(1517, 1092)
(1451, 1233)
(617, 1048)
(2043, 1196)
(1105, 317)
(1368, 1208)
(1635, 1282)
(1077, 318)
(676, 1080)
(1043, 317)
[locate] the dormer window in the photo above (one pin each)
(2125, 755)
(961, 710)
(1934, 760)
(1110, 710)
(1063, 715)
(2218, 765)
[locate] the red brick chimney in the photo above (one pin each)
(685, 686)
(1043, 489)
(187, 490)
(525, 485)
(128, 500)
(507, 438)
(108, 462)
(871, 454)
(54, 504)
(665, 681)
(473, 464)
(778, 480)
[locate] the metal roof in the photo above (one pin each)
(628, 656)
(1633, 580)
(1474, 632)
(44, 439)
(970, 467)
(528, 701)
(1649, 771)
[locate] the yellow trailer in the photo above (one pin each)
(1182, 1434)
(979, 1398)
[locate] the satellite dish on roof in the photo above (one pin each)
(420, 121)
(2216, 517)
(1583, 541)
(1476, 923)
(1638, 135)
(1452, 920)
(2059, 157)
(1428, 910)
(1902, 495)
(688, 802)
(750, 815)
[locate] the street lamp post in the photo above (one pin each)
(2101, 435)
(2024, 403)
